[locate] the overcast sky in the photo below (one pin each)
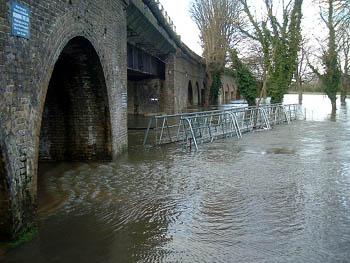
(178, 10)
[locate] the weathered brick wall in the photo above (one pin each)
(229, 89)
(168, 92)
(197, 92)
(75, 124)
(187, 70)
(180, 71)
(145, 96)
(26, 67)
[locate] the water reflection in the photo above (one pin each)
(276, 196)
(319, 108)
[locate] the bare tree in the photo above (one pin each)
(302, 73)
(216, 20)
(254, 58)
(340, 10)
(343, 9)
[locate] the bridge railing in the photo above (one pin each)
(167, 128)
(166, 16)
(207, 126)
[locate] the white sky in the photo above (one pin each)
(178, 10)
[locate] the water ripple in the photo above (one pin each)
(277, 196)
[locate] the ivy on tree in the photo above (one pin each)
(331, 78)
(279, 42)
(246, 81)
(216, 86)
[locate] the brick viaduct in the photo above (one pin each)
(65, 92)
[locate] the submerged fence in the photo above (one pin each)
(192, 129)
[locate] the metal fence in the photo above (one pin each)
(192, 129)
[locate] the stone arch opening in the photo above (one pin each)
(198, 94)
(227, 97)
(76, 118)
(190, 93)
(203, 94)
(222, 91)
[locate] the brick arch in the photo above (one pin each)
(203, 93)
(227, 94)
(57, 42)
(28, 71)
(43, 51)
(66, 29)
(233, 92)
(75, 120)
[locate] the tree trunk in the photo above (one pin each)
(334, 105)
(265, 95)
(345, 81)
(208, 88)
(300, 91)
(262, 92)
(343, 93)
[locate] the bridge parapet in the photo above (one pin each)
(144, 14)
(146, 31)
(166, 16)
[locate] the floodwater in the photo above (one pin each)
(273, 196)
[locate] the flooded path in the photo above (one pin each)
(276, 196)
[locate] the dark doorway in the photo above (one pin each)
(203, 94)
(190, 94)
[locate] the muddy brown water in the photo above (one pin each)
(273, 196)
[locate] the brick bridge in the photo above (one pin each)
(65, 92)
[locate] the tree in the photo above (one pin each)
(342, 8)
(279, 42)
(345, 61)
(216, 86)
(331, 78)
(246, 81)
(255, 62)
(216, 20)
(301, 73)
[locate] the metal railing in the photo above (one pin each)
(207, 126)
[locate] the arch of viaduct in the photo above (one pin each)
(65, 92)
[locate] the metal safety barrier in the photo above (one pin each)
(192, 129)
